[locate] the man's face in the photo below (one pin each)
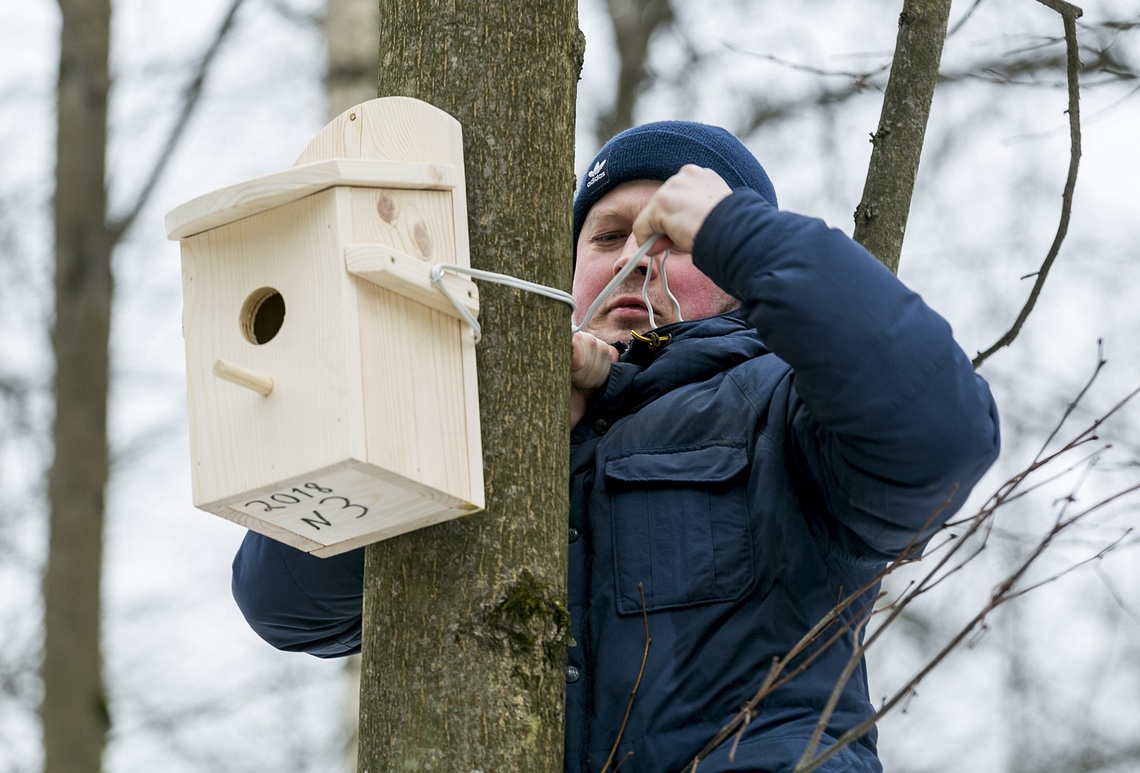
(606, 244)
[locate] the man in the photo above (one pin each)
(733, 475)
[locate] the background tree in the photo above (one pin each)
(880, 218)
(74, 712)
(466, 625)
(73, 708)
(351, 32)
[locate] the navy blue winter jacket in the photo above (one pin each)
(747, 474)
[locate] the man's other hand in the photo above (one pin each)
(590, 362)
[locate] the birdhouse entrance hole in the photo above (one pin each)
(262, 315)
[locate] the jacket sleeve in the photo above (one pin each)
(298, 602)
(891, 421)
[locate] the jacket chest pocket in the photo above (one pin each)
(680, 527)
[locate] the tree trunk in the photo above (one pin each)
(465, 624)
(74, 709)
(880, 218)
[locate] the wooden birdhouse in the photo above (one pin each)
(332, 391)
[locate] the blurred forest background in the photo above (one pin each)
(207, 94)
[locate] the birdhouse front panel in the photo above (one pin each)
(267, 294)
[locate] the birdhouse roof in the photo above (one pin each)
(263, 193)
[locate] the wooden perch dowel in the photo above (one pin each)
(244, 377)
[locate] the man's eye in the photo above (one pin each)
(609, 238)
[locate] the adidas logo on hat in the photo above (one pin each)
(597, 173)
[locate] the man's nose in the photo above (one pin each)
(628, 251)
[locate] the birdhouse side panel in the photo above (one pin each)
(421, 401)
(416, 409)
(269, 294)
(419, 223)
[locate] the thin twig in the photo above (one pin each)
(190, 96)
(860, 79)
(1119, 599)
(965, 18)
(1002, 594)
(1072, 406)
(745, 721)
(1069, 14)
(949, 562)
(849, 668)
(636, 684)
(1042, 483)
(1080, 564)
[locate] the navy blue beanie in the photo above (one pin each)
(656, 151)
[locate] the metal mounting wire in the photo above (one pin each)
(561, 295)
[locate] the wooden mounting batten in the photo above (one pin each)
(400, 272)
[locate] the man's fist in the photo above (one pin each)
(679, 207)
(590, 361)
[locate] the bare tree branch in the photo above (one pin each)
(1127, 608)
(636, 684)
(882, 213)
(1003, 594)
(1069, 14)
(298, 17)
(634, 24)
(965, 18)
(190, 96)
(1026, 67)
(955, 556)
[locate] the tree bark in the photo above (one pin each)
(465, 624)
(880, 218)
(74, 709)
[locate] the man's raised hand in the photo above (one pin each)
(679, 207)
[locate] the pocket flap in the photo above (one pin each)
(708, 465)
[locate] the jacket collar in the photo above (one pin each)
(674, 355)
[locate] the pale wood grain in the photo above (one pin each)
(374, 398)
(397, 271)
(263, 193)
(243, 377)
(240, 440)
(392, 129)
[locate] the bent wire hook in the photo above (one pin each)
(562, 295)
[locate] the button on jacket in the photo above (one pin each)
(727, 487)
